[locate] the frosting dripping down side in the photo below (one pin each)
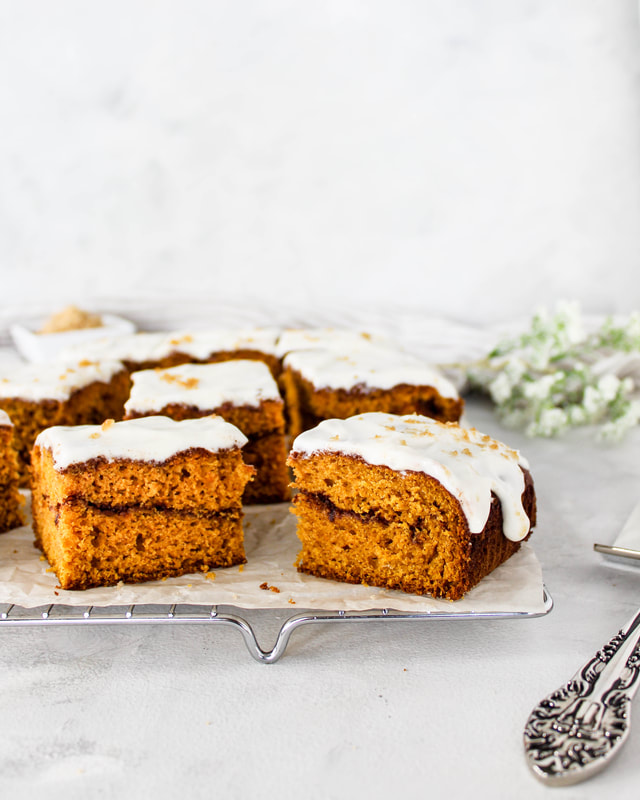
(469, 464)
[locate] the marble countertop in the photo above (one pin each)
(413, 707)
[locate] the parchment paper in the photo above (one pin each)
(271, 547)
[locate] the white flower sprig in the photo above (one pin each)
(557, 375)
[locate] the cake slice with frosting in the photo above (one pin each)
(326, 383)
(38, 396)
(139, 500)
(242, 392)
(409, 503)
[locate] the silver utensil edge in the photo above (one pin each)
(574, 732)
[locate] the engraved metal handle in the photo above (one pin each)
(575, 731)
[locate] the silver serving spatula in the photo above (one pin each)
(576, 731)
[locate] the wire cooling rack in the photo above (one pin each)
(230, 616)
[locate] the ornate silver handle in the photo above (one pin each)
(575, 732)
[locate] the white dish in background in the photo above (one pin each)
(41, 347)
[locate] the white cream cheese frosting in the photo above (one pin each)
(204, 386)
(201, 344)
(342, 340)
(372, 367)
(140, 347)
(5, 419)
(130, 347)
(57, 380)
(151, 439)
(469, 464)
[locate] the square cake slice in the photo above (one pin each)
(409, 503)
(11, 500)
(244, 393)
(325, 383)
(42, 395)
(139, 500)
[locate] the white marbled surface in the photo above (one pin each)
(467, 158)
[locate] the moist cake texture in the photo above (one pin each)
(322, 384)
(409, 503)
(40, 396)
(10, 498)
(244, 393)
(139, 500)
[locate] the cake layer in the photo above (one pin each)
(247, 396)
(243, 392)
(307, 406)
(91, 403)
(324, 384)
(8, 459)
(89, 546)
(268, 418)
(188, 480)
(469, 465)
(55, 381)
(11, 501)
(268, 454)
(11, 505)
(345, 546)
(367, 368)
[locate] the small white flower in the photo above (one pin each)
(558, 374)
(550, 422)
(591, 401)
(553, 419)
(568, 315)
(576, 415)
(500, 388)
(540, 355)
(540, 389)
(608, 386)
(514, 368)
(628, 385)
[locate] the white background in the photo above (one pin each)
(470, 159)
